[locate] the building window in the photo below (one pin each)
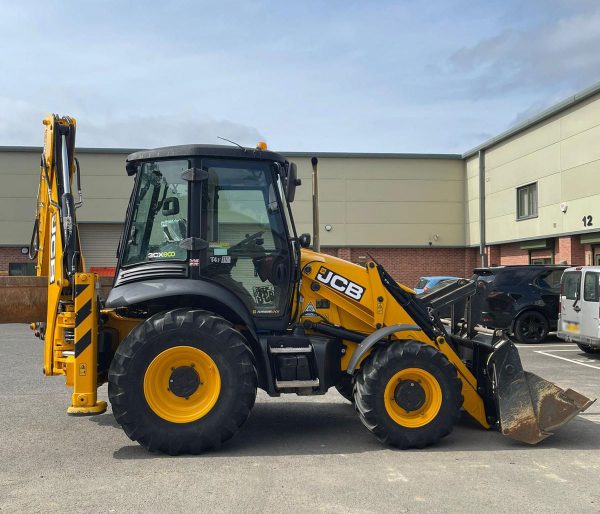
(527, 201)
(21, 269)
(540, 260)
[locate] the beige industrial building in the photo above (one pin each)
(529, 195)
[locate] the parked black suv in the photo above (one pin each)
(523, 300)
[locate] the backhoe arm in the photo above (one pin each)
(72, 319)
(55, 241)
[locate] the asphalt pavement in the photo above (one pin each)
(295, 454)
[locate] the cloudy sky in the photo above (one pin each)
(374, 76)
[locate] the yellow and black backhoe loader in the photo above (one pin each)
(215, 295)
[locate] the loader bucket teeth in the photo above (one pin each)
(529, 407)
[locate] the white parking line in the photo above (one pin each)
(534, 346)
(569, 350)
(568, 360)
(594, 418)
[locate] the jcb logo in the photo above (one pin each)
(341, 284)
(53, 249)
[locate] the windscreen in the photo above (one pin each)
(159, 216)
(421, 283)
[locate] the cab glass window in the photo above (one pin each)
(159, 217)
(248, 248)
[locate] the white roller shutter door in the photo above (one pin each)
(99, 242)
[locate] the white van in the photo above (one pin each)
(579, 315)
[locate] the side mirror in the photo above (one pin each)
(291, 181)
(170, 206)
(304, 240)
(132, 168)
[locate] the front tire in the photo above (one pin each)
(589, 349)
(183, 381)
(408, 395)
(531, 327)
(345, 387)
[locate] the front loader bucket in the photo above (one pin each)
(529, 407)
(25, 299)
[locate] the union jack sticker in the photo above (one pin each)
(195, 262)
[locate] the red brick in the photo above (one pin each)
(8, 255)
(406, 265)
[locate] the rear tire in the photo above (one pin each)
(589, 349)
(168, 405)
(345, 387)
(408, 395)
(531, 327)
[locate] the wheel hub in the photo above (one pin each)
(184, 381)
(409, 395)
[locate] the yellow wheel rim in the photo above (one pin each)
(430, 405)
(158, 384)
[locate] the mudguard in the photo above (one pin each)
(138, 292)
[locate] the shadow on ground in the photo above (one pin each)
(305, 428)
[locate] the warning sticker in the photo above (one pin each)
(310, 309)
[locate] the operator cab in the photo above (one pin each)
(216, 215)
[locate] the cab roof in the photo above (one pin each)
(227, 151)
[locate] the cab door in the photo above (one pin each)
(247, 246)
(570, 303)
(590, 303)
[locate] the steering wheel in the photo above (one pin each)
(271, 268)
(247, 240)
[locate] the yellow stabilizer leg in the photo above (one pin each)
(84, 400)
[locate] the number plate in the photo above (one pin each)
(572, 327)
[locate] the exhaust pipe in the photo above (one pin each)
(529, 407)
(315, 205)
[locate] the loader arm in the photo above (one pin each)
(367, 309)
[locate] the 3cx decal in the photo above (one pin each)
(341, 284)
(160, 255)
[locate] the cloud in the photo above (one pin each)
(154, 131)
(315, 76)
(557, 53)
(24, 127)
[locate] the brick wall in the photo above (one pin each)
(513, 254)
(494, 255)
(8, 255)
(570, 250)
(566, 249)
(547, 253)
(406, 265)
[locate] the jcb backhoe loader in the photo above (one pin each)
(215, 295)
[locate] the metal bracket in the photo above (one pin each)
(195, 175)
